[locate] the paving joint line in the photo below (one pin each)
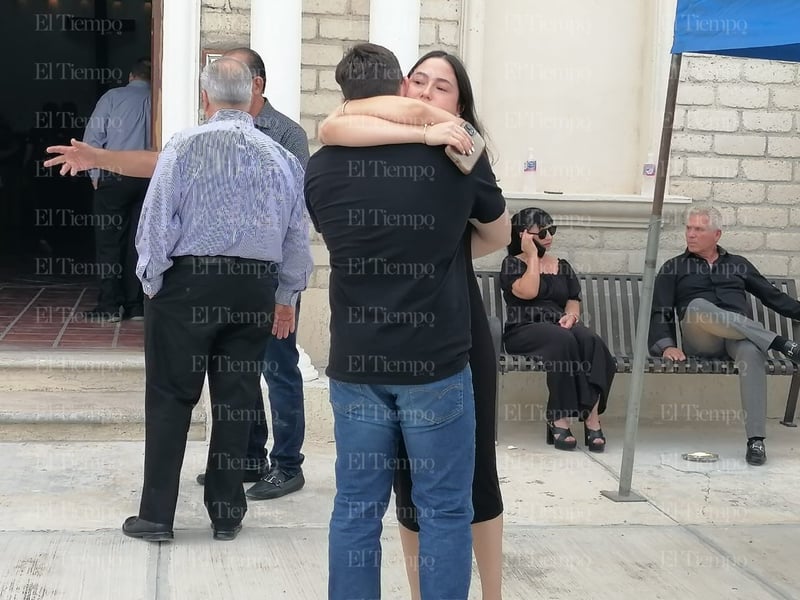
(765, 583)
(707, 542)
(69, 319)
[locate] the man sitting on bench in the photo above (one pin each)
(706, 286)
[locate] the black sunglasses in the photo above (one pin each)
(542, 233)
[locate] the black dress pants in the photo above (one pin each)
(117, 206)
(213, 315)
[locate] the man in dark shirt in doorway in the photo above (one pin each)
(706, 286)
(120, 121)
(393, 218)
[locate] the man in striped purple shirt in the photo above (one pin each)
(223, 218)
(281, 473)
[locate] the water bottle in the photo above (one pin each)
(649, 176)
(529, 174)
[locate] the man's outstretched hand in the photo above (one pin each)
(74, 158)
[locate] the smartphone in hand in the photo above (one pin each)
(540, 250)
(467, 162)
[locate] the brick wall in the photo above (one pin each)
(736, 145)
(440, 25)
(332, 26)
(224, 24)
(329, 27)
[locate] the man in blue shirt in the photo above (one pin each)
(120, 121)
(224, 209)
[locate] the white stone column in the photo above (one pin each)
(276, 33)
(180, 66)
(394, 24)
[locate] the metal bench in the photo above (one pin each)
(610, 304)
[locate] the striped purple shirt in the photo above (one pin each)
(226, 189)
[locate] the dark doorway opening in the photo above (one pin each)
(62, 55)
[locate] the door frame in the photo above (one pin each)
(156, 50)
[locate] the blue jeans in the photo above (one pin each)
(286, 403)
(437, 423)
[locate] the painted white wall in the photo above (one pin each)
(568, 79)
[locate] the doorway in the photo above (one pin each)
(62, 56)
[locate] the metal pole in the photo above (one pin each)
(624, 493)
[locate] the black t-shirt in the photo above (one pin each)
(725, 283)
(554, 292)
(393, 218)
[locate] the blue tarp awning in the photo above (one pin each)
(748, 28)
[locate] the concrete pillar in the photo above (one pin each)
(180, 67)
(394, 24)
(276, 33)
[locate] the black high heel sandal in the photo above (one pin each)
(589, 437)
(557, 436)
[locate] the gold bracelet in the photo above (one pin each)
(424, 133)
(344, 105)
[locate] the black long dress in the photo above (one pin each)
(580, 369)
(487, 501)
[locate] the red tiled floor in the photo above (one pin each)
(49, 338)
(45, 317)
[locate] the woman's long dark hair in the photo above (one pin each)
(524, 220)
(466, 98)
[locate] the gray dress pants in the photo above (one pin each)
(710, 331)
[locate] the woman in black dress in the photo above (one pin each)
(542, 297)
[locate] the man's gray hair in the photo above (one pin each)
(714, 216)
(228, 82)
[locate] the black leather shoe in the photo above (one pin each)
(226, 535)
(147, 530)
(792, 351)
(756, 452)
(276, 484)
(250, 476)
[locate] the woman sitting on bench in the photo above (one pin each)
(542, 297)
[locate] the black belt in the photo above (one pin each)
(218, 260)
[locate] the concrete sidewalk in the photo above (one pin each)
(723, 530)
